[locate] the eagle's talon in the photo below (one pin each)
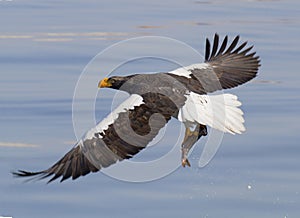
(185, 162)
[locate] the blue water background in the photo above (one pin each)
(45, 46)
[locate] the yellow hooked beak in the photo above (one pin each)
(104, 83)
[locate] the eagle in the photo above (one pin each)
(156, 98)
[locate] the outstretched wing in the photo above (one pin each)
(224, 67)
(126, 131)
(74, 164)
(234, 65)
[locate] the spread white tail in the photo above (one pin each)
(221, 112)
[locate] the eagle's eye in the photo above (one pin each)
(112, 81)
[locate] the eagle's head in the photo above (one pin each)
(114, 82)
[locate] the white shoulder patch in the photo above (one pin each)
(132, 101)
(186, 71)
(221, 112)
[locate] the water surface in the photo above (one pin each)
(45, 46)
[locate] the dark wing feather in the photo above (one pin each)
(233, 44)
(234, 66)
(223, 46)
(227, 68)
(64, 167)
(215, 45)
(129, 134)
(207, 50)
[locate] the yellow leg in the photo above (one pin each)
(190, 138)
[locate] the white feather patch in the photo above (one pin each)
(132, 101)
(186, 71)
(217, 111)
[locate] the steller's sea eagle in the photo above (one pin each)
(156, 98)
